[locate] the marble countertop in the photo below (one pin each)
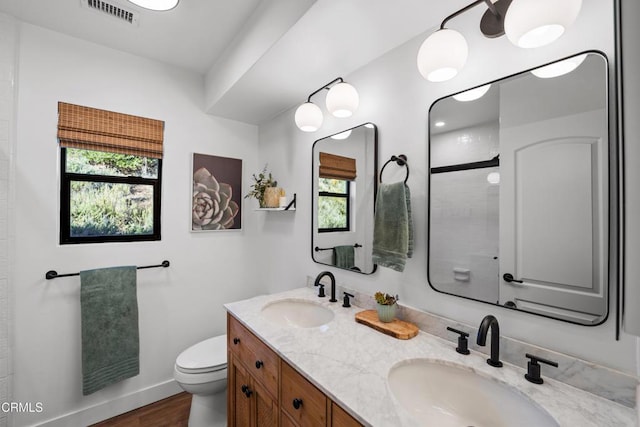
(349, 362)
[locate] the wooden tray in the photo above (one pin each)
(397, 328)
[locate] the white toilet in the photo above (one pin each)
(202, 371)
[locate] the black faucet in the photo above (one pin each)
(333, 283)
(490, 321)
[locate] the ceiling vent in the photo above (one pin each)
(112, 9)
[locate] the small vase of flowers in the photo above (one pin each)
(261, 182)
(387, 306)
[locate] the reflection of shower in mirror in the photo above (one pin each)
(520, 182)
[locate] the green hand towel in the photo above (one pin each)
(110, 340)
(407, 194)
(393, 228)
(344, 256)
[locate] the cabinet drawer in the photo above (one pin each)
(261, 362)
(301, 400)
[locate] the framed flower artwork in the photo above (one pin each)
(217, 193)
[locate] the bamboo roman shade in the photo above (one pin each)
(92, 129)
(333, 166)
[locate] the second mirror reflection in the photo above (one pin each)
(519, 191)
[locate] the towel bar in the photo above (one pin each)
(52, 274)
(318, 249)
(401, 160)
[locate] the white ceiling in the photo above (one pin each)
(192, 35)
(321, 40)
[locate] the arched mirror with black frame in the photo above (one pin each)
(344, 186)
(523, 191)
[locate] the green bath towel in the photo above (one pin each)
(110, 341)
(393, 228)
(344, 256)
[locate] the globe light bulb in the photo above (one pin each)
(535, 23)
(442, 55)
(308, 117)
(342, 100)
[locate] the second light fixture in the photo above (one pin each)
(527, 24)
(342, 101)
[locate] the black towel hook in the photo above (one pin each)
(401, 160)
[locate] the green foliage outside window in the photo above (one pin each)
(333, 204)
(110, 164)
(108, 209)
(101, 208)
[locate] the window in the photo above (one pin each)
(336, 174)
(110, 180)
(333, 205)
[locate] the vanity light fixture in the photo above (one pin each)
(559, 68)
(439, 124)
(158, 5)
(472, 94)
(342, 101)
(527, 23)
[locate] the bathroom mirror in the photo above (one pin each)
(521, 173)
(344, 171)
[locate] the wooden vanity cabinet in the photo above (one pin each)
(252, 379)
(264, 390)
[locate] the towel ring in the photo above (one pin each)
(401, 160)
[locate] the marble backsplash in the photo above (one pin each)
(596, 379)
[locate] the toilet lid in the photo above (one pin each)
(207, 355)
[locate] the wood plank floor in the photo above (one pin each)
(170, 412)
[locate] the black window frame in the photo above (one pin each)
(346, 195)
(65, 203)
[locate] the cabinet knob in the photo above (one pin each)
(259, 364)
(236, 340)
(246, 390)
(297, 403)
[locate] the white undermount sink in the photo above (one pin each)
(445, 395)
(298, 313)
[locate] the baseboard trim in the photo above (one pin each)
(112, 408)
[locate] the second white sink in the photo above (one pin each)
(297, 313)
(443, 395)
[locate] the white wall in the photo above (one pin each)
(631, 35)
(394, 96)
(178, 306)
(8, 50)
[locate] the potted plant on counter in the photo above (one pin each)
(387, 306)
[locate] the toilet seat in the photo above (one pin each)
(206, 356)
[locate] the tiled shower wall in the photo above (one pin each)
(8, 62)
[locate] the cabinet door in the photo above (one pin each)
(265, 411)
(340, 417)
(301, 400)
(239, 395)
